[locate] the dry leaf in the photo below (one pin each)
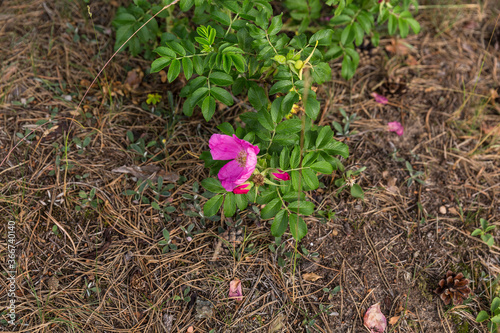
(148, 172)
(134, 79)
(394, 320)
(398, 47)
(163, 76)
(311, 277)
(374, 320)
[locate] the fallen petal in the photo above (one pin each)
(379, 98)
(374, 320)
(396, 127)
(235, 290)
(311, 277)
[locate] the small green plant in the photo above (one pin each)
(88, 200)
(184, 296)
(414, 175)
(349, 180)
(493, 317)
(347, 120)
(55, 229)
(153, 99)
(166, 242)
(483, 232)
(331, 292)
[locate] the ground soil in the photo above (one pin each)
(100, 268)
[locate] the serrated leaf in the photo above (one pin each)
(174, 70)
(212, 206)
(312, 108)
(289, 126)
(265, 119)
(198, 65)
(323, 37)
(310, 179)
(241, 201)
(187, 66)
(221, 78)
(222, 95)
(392, 24)
(404, 27)
(282, 86)
(177, 48)
(284, 158)
(415, 26)
(276, 25)
(346, 35)
(295, 157)
(226, 128)
(298, 227)
(213, 185)
(302, 207)
(229, 204)
(159, 64)
(323, 167)
(258, 98)
(271, 209)
(165, 52)
(280, 223)
(221, 17)
(208, 107)
(238, 62)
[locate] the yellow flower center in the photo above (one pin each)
(242, 158)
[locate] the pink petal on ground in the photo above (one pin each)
(395, 126)
(224, 147)
(235, 290)
(374, 319)
(379, 98)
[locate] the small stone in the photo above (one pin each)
(204, 309)
(53, 283)
(442, 210)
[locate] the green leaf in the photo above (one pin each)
(283, 86)
(238, 62)
(312, 107)
(221, 78)
(322, 72)
(298, 227)
(302, 207)
(276, 25)
(310, 179)
(271, 209)
(348, 67)
(335, 147)
(185, 5)
(198, 65)
(165, 52)
(212, 185)
(415, 26)
(241, 201)
(482, 316)
(280, 223)
(174, 70)
(221, 17)
(166, 235)
(177, 48)
(476, 232)
(227, 63)
(359, 34)
(295, 175)
(347, 35)
(323, 37)
(258, 98)
(495, 304)
(229, 204)
(265, 119)
(392, 25)
(187, 66)
(289, 126)
(222, 95)
(496, 319)
(340, 19)
(212, 206)
(325, 134)
(295, 158)
(323, 167)
(357, 191)
(284, 158)
(208, 107)
(404, 28)
(159, 64)
(226, 128)
(124, 19)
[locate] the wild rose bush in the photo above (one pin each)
(239, 50)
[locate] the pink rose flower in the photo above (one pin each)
(395, 126)
(242, 189)
(379, 98)
(243, 155)
(281, 175)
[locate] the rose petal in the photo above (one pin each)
(235, 290)
(374, 320)
(224, 147)
(396, 127)
(230, 175)
(379, 98)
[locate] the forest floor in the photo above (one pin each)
(89, 251)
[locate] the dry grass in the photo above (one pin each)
(101, 269)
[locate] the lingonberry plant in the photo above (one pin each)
(229, 49)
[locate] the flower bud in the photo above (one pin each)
(243, 188)
(281, 175)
